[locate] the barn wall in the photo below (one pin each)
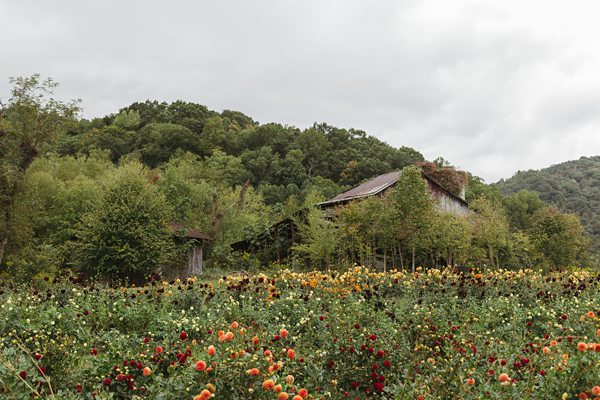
(445, 201)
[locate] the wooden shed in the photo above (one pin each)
(196, 241)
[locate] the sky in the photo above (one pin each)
(492, 86)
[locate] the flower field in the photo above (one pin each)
(436, 334)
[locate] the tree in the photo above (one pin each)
(215, 137)
(29, 124)
(476, 188)
(366, 229)
(58, 190)
(412, 211)
(490, 227)
(319, 236)
(150, 112)
(204, 198)
(228, 168)
(128, 120)
(126, 234)
(451, 238)
(159, 142)
(405, 156)
(113, 138)
(291, 169)
(262, 163)
(558, 237)
(521, 207)
(519, 252)
(191, 115)
(315, 147)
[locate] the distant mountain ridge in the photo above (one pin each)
(572, 186)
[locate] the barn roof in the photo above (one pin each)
(377, 185)
(190, 233)
(368, 188)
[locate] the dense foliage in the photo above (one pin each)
(279, 161)
(126, 233)
(572, 186)
(100, 196)
(31, 124)
(405, 228)
(438, 334)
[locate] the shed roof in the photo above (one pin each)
(190, 233)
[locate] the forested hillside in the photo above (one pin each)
(101, 196)
(572, 186)
(278, 160)
(66, 181)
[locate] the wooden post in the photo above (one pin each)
(385, 260)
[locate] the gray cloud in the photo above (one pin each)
(493, 87)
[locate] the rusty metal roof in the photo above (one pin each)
(377, 185)
(369, 188)
(190, 233)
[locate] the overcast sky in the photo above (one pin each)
(492, 86)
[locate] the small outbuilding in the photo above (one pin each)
(196, 242)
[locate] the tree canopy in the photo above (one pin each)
(99, 195)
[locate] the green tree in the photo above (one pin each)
(126, 234)
(315, 147)
(262, 163)
(150, 112)
(324, 187)
(519, 252)
(216, 136)
(204, 199)
(476, 188)
(558, 237)
(58, 190)
(128, 120)
(521, 207)
(490, 227)
(412, 211)
(319, 237)
(451, 238)
(191, 115)
(113, 138)
(366, 230)
(30, 123)
(291, 169)
(158, 142)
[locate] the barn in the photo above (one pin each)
(378, 186)
(275, 244)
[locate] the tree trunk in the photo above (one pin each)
(3, 244)
(491, 255)
(214, 212)
(7, 225)
(401, 258)
(373, 255)
(242, 198)
(413, 259)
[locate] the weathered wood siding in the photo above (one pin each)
(446, 201)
